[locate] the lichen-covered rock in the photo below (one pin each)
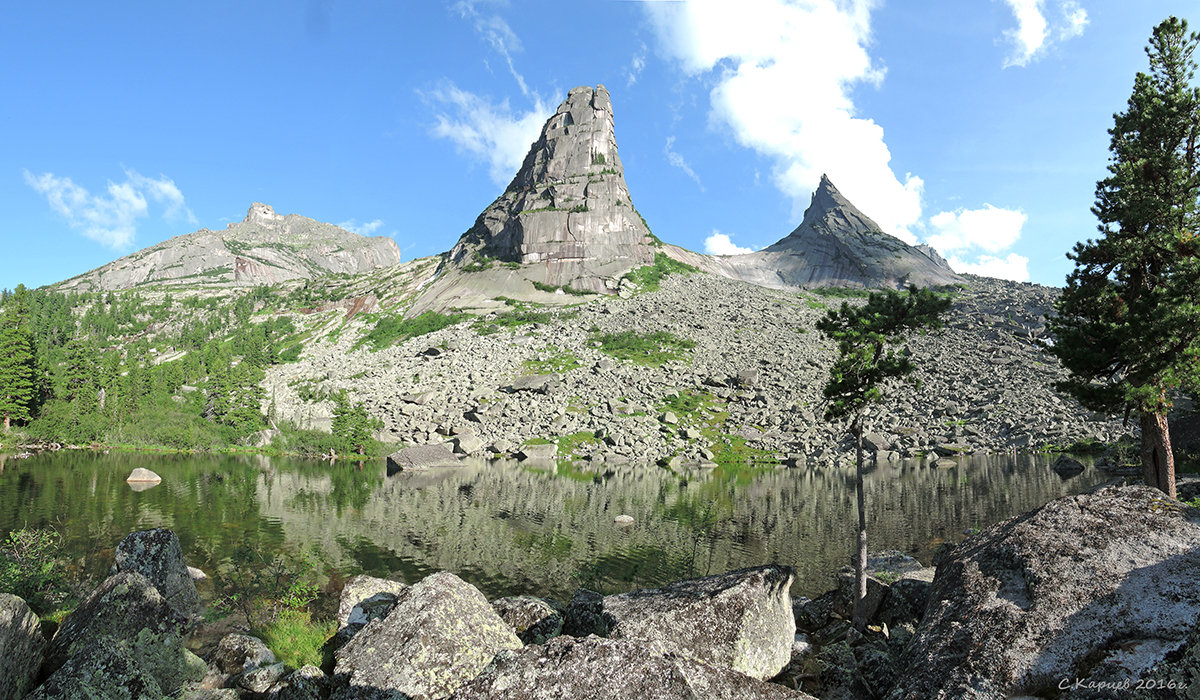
(21, 647)
(1098, 587)
(535, 620)
(567, 668)
(239, 653)
(146, 665)
(305, 683)
(585, 615)
(261, 679)
(440, 635)
(359, 588)
(157, 555)
(740, 620)
(123, 607)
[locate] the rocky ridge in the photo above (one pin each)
(263, 248)
(755, 373)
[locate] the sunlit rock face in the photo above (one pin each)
(263, 248)
(568, 208)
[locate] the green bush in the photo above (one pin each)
(168, 426)
(649, 277)
(392, 329)
(30, 569)
(652, 349)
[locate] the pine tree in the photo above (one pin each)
(17, 374)
(1128, 322)
(865, 363)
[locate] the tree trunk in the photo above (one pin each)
(1158, 464)
(860, 562)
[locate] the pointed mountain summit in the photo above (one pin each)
(263, 248)
(568, 210)
(835, 245)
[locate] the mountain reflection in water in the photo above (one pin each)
(513, 528)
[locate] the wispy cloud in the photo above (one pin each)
(1037, 30)
(490, 132)
(762, 55)
(496, 32)
(636, 64)
(364, 229)
(111, 219)
(677, 160)
(720, 244)
(973, 239)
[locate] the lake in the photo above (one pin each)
(513, 528)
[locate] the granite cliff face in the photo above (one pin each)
(568, 210)
(836, 245)
(263, 248)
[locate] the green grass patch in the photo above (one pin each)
(649, 277)
(520, 316)
(651, 349)
(688, 402)
(732, 449)
(565, 289)
(568, 445)
(842, 292)
(539, 441)
(556, 361)
(393, 329)
(297, 639)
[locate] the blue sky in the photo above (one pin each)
(976, 125)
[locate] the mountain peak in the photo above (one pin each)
(260, 213)
(568, 208)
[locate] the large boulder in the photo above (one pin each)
(123, 607)
(359, 588)
(421, 457)
(149, 665)
(157, 555)
(567, 668)
(740, 620)
(239, 653)
(441, 634)
(21, 647)
(1096, 588)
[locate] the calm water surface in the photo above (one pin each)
(513, 528)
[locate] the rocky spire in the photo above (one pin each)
(568, 209)
(261, 214)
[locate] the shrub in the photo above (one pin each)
(30, 569)
(392, 329)
(649, 277)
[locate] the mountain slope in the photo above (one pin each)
(263, 248)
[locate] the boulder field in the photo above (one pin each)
(1090, 596)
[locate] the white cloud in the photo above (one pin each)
(1035, 32)
(635, 67)
(720, 244)
(491, 132)
(1011, 267)
(112, 219)
(784, 73)
(363, 229)
(991, 229)
(676, 160)
(496, 32)
(973, 239)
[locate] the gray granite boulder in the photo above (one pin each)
(359, 588)
(239, 653)
(157, 555)
(567, 668)
(421, 457)
(21, 647)
(1098, 587)
(123, 607)
(535, 620)
(305, 683)
(440, 635)
(147, 665)
(741, 620)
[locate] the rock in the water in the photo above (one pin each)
(740, 620)
(421, 457)
(21, 647)
(124, 607)
(535, 620)
(359, 588)
(239, 653)
(141, 474)
(1067, 467)
(440, 635)
(567, 668)
(157, 555)
(1098, 587)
